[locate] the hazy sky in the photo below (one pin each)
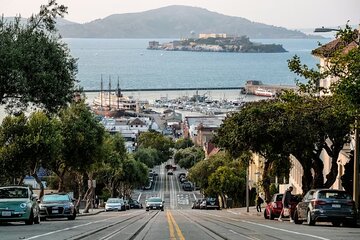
(293, 14)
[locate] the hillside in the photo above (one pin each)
(173, 22)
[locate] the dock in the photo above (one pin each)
(252, 85)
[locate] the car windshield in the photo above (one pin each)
(113, 200)
(56, 198)
(154, 200)
(334, 195)
(14, 193)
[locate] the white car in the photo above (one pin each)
(115, 204)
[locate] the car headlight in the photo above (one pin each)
(23, 205)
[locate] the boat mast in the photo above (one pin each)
(101, 92)
(118, 94)
(109, 92)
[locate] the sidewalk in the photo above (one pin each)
(243, 211)
(92, 211)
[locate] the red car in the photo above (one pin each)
(274, 207)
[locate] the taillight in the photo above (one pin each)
(319, 202)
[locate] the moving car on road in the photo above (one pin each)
(196, 204)
(135, 204)
(326, 205)
(154, 203)
(57, 205)
(18, 203)
(115, 204)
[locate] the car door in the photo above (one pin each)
(303, 205)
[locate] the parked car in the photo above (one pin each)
(135, 204)
(326, 205)
(154, 203)
(18, 203)
(170, 172)
(274, 207)
(126, 203)
(187, 186)
(57, 205)
(181, 175)
(196, 204)
(210, 203)
(115, 204)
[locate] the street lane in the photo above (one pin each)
(178, 221)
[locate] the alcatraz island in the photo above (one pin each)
(217, 43)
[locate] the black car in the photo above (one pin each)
(210, 203)
(135, 204)
(326, 205)
(187, 186)
(154, 203)
(57, 205)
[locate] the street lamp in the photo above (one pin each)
(356, 133)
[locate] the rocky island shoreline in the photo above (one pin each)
(217, 43)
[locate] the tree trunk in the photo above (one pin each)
(307, 179)
(266, 180)
(318, 180)
(332, 175)
(38, 181)
(79, 180)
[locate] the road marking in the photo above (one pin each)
(274, 228)
(178, 231)
(74, 227)
(171, 226)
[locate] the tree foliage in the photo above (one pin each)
(188, 157)
(36, 68)
(161, 143)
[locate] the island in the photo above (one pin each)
(217, 43)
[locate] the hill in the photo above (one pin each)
(173, 22)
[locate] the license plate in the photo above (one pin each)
(154, 207)
(55, 211)
(336, 206)
(6, 213)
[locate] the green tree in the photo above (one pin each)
(148, 156)
(35, 66)
(161, 143)
(188, 157)
(182, 143)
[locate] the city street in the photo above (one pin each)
(177, 221)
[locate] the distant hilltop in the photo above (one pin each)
(173, 22)
(217, 43)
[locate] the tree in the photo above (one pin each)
(259, 128)
(36, 68)
(82, 143)
(188, 157)
(155, 140)
(148, 156)
(182, 143)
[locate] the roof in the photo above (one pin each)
(330, 48)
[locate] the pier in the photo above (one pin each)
(242, 89)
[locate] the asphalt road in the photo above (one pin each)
(178, 221)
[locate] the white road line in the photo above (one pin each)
(74, 227)
(274, 228)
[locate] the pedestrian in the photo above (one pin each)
(259, 201)
(286, 202)
(97, 201)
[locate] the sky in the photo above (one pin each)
(291, 14)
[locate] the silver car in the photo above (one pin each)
(115, 204)
(326, 205)
(154, 203)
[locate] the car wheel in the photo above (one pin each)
(309, 219)
(265, 215)
(162, 209)
(296, 218)
(30, 221)
(147, 210)
(271, 215)
(336, 223)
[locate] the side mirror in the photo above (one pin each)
(163, 202)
